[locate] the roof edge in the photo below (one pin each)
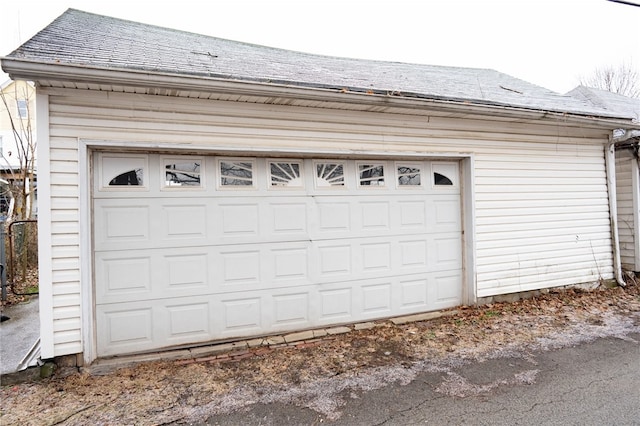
(32, 70)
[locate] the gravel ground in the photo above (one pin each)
(320, 376)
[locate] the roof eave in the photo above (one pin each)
(34, 71)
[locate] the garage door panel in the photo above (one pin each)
(123, 278)
(336, 304)
(119, 224)
(191, 265)
(412, 214)
(187, 221)
(161, 273)
(374, 216)
(128, 328)
(335, 259)
(152, 274)
(241, 266)
(189, 271)
(262, 266)
(332, 218)
(288, 217)
(291, 309)
(413, 294)
(291, 263)
(375, 257)
(239, 219)
(413, 254)
(128, 222)
(446, 213)
(376, 299)
(139, 326)
(448, 292)
(383, 297)
(196, 319)
(242, 315)
(265, 312)
(446, 253)
(188, 322)
(385, 256)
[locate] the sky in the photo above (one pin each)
(551, 43)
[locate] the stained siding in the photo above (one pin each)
(624, 200)
(65, 245)
(541, 196)
(541, 220)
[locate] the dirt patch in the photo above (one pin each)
(319, 376)
(25, 286)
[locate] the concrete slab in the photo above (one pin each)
(364, 325)
(18, 334)
(422, 317)
(338, 330)
(296, 337)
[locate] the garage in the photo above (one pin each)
(191, 249)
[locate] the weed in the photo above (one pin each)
(490, 314)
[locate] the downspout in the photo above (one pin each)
(610, 164)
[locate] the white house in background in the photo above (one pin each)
(195, 189)
(627, 172)
(20, 97)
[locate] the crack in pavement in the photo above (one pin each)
(324, 396)
(401, 413)
(457, 385)
(327, 398)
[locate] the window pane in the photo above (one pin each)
(23, 110)
(285, 174)
(371, 174)
(131, 178)
(329, 174)
(445, 173)
(182, 174)
(409, 176)
(439, 179)
(234, 173)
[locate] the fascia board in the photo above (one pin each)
(34, 71)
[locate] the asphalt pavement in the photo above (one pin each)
(18, 334)
(593, 383)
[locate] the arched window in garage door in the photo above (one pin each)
(445, 174)
(123, 171)
(329, 174)
(286, 174)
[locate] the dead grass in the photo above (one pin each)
(166, 392)
(22, 288)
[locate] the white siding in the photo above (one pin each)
(541, 221)
(624, 200)
(541, 195)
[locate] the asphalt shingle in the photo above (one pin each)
(95, 41)
(624, 105)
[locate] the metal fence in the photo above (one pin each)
(19, 258)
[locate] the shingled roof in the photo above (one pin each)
(624, 105)
(87, 40)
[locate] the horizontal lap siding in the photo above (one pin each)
(541, 197)
(65, 245)
(541, 221)
(624, 201)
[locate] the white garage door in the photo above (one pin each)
(191, 249)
